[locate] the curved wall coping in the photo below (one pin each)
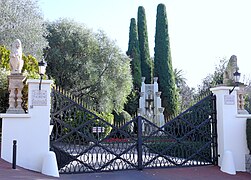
(243, 116)
(5, 115)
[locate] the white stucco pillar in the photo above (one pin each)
(142, 99)
(155, 85)
(141, 103)
(231, 130)
(142, 89)
(30, 130)
(158, 100)
(155, 91)
(161, 117)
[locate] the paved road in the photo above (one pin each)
(193, 173)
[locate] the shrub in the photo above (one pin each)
(4, 89)
(184, 150)
(4, 58)
(72, 120)
(248, 130)
(121, 118)
(109, 118)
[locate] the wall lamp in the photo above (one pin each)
(41, 68)
(236, 80)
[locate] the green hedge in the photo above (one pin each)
(181, 150)
(85, 134)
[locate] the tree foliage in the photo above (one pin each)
(179, 77)
(163, 64)
(3, 90)
(22, 20)
(186, 94)
(216, 78)
(134, 54)
(89, 65)
(122, 117)
(146, 63)
(133, 103)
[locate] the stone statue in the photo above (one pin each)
(228, 76)
(16, 62)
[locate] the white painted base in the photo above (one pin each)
(227, 164)
(50, 166)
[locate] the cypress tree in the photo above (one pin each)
(134, 54)
(163, 64)
(146, 62)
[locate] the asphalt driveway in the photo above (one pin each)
(191, 173)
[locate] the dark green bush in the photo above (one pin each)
(109, 118)
(248, 130)
(121, 118)
(181, 150)
(72, 122)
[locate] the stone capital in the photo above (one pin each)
(158, 94)
(141, 94)
(161, 109)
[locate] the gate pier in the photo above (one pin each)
(231, 128)
(31, 130)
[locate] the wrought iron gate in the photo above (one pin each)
(84, 142)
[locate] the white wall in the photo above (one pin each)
(30, 130)
(231, 127)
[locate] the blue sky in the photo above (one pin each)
(201, 31)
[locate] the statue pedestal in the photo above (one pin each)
(15, 98)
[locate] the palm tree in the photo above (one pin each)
(179, 77)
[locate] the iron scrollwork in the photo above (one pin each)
(84, 142)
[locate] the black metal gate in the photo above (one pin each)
(84, 142)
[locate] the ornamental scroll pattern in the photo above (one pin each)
(187, 140)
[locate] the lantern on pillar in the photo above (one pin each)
(42, 68)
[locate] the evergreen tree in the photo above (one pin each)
(163, 64)
(146, 62)
(134, 54)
